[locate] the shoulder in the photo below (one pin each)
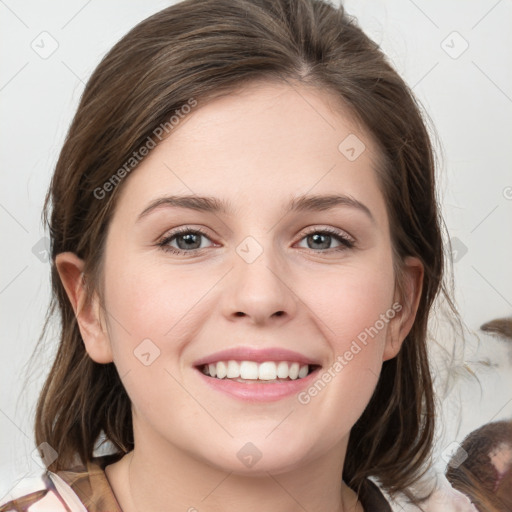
(83, 488)
(91, 485)
(35, 494)
(442, 498)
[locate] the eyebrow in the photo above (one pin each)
(214, 205)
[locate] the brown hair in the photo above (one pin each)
(203, 49)
(502, 327)
(476, 476)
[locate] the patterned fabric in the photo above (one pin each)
(86, 489)
(80, 489)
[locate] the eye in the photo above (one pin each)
(322, 239)
(187, 241)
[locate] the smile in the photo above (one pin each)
(267, 371)
(243, 382)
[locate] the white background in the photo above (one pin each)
(469, 99)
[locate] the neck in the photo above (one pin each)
(144, 479)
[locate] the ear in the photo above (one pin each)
(406, 306)
(88, 314)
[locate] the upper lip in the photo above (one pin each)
(258, 355)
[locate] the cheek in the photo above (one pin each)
(151, 318)
(153, 301)
(351, 301)
(355, 308)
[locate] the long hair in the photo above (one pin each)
(202, 49)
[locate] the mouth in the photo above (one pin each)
(257, 375)
(252, 372)
(253, 382)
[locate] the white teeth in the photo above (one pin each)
(250, 370)
(233, 370)
(303, 371)
(221, 370)
(294, 371)
(267, 371)
(282, 370)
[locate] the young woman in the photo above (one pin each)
(246, 246)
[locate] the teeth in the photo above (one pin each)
(267, 371)
(250, 370)
(221, 370)
(247, 369)
(294, 371)
(282, 370)
(233, 370)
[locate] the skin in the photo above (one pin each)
(257, 149)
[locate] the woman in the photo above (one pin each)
(281, 362)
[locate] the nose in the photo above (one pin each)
(260, 291)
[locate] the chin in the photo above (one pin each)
(259, 458)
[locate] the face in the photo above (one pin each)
(184, 281)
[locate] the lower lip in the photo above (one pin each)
(259, 392)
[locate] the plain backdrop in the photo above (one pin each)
(455, 55)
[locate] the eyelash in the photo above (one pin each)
(346, 242)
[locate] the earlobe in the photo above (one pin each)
(88, 312)
(409, 300)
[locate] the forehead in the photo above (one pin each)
(264, 143)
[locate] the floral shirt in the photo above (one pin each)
(86, 489)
